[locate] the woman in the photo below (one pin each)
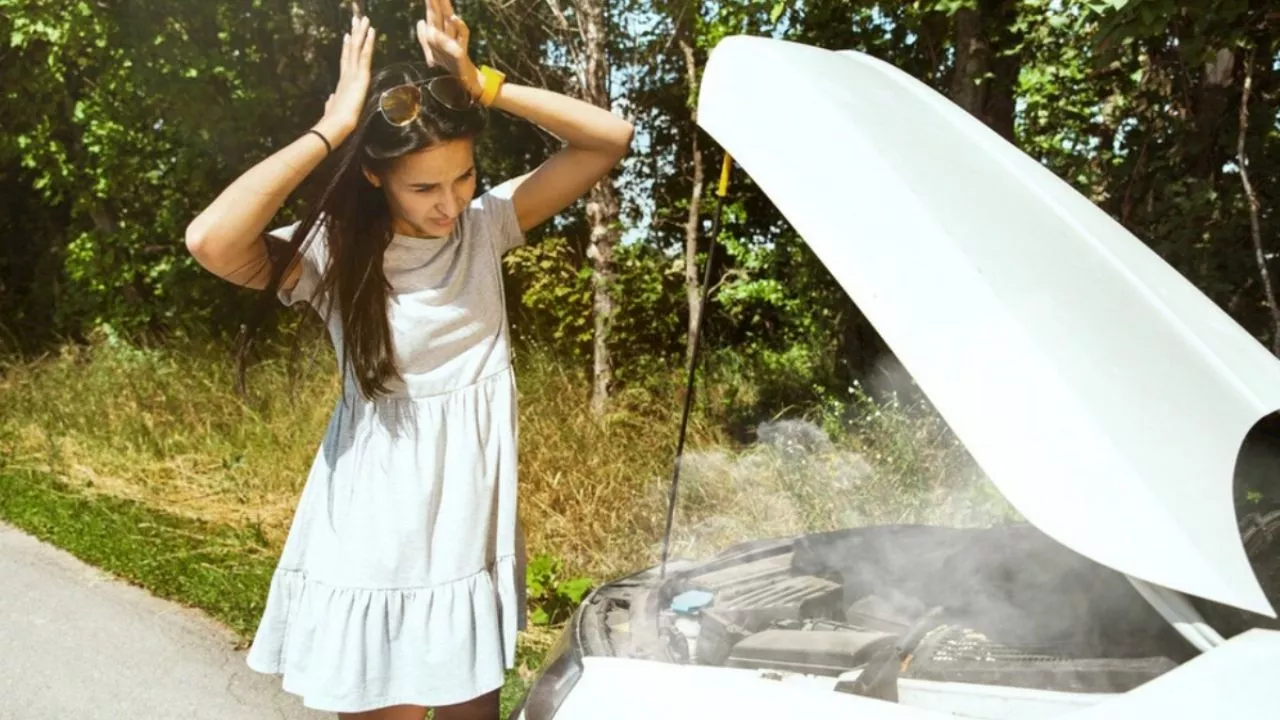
(400, 585)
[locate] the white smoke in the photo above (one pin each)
(795, 479)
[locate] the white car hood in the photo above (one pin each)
(1236, 680)
(1103, 394)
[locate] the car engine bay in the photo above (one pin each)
(869, 608)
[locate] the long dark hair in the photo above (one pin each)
(357, 225)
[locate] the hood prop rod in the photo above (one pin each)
(721, 190)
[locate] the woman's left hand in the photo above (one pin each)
(444, 37)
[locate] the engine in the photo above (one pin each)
(871, 606)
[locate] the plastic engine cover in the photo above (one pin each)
(793, 598)
(811, 652)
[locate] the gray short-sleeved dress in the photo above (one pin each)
(401, 580)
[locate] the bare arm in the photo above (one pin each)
(595, 138)
(225, 237)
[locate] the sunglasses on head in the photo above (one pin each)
(401, 104)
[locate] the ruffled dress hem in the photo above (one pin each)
(447, 643)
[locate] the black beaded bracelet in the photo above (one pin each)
(323, 139)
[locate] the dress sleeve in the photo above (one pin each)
(499, 218)
(314, 258)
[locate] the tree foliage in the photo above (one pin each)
(120, 120)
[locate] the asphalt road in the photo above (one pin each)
(77, 643)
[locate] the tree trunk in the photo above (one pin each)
(602, 202)
(973, 54)
(1005, 66)
(602, 208)
(692, 285)
(1251, 197)
(986, 74)
(1208, 142)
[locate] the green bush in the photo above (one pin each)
(553, 597)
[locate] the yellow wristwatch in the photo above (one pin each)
(493, 80)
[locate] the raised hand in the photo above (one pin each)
(444, 37)
(342, 110)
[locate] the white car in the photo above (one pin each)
(1104, 395)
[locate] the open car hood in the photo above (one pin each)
(1103, 394)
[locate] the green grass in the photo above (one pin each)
(224, 571)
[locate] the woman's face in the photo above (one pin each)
(427, 190)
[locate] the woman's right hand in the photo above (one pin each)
(342, 110)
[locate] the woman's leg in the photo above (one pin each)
(485, 707)
(395, 712)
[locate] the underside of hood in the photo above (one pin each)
(1102, 393)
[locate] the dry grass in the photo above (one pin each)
(593, 493)
(162, 426)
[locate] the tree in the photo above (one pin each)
(579, 34)
(1178, 74)
(686, 22)
(118, 121)
(602, 200)
(987, 61)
